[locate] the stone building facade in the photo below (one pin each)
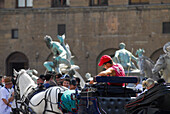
(92, 28)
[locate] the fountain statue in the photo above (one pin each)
(163, 63)
(145, 65)
(125, 57)
(61, 62)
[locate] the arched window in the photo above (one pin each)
(155, 55)
(17, 61)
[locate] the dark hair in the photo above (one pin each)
(67, 79)
(108, 62)
(42, 76)
(51, 72)
(73, 82)
(78, 80)
(59, 75)
(47, 77)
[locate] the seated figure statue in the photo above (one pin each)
(124, 57)
(163, 63)
(59, 55)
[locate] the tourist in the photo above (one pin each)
(6, 97)
(66, 82)
(52, 82)
(78, 83)
(58, 79)
(73, 84)
(48, 78)
(69, 102)
(40, 80)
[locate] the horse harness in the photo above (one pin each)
(46, 98)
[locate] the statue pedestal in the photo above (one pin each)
(133, 73)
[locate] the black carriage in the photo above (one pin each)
(104, 99)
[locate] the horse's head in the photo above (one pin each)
(24, 83)
(160, 64)
(32, 73)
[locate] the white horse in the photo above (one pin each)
(41, 103)
(33, 73)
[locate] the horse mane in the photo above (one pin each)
(22, 71)
(147, 58)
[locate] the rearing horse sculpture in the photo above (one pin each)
(163, 63)
(145, 65)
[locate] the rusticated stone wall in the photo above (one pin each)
(90, 31)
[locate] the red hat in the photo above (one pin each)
(104, 59)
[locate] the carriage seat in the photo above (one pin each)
(103, 89)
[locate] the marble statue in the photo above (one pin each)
(60, 54)
(145, 65)
(61, 59)
(125, 57)
(163, 63)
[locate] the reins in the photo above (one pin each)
(47, 98)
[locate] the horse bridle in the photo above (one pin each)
(16, 87)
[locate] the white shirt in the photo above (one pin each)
(4, 93)
(13, 102)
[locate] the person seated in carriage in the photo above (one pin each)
(148, 84)
(70, 99)
(112, 69)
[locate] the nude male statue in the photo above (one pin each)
(59, 55)
(124, 57)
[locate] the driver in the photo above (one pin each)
(112, 69)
